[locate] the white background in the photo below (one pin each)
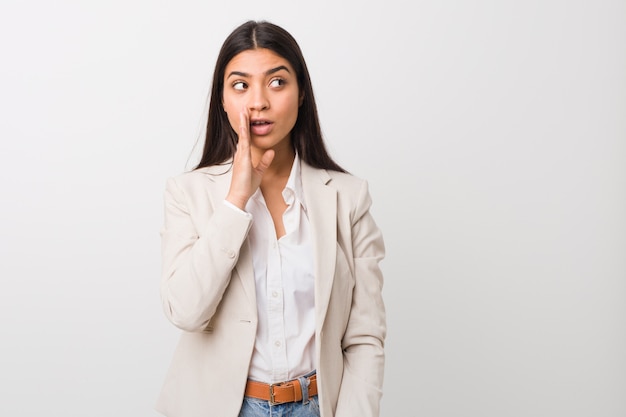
(493, 134)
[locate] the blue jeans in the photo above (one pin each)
(253, 407)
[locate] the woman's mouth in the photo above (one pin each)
(260, 127)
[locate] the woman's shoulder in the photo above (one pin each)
(342, 177)
(346, 179)
(200, 184)
(348, 185)
(215, 173)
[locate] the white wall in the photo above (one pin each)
(493, 134)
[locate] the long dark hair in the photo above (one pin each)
(306, 135)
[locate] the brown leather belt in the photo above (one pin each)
(283, 392)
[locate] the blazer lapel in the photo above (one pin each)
(321, 203)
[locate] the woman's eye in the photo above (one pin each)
(277, 82)
(239, 85)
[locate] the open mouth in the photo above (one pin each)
(260, 127)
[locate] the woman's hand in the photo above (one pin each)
(246, 176)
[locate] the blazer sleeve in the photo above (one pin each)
(363, 341)
(198, 255)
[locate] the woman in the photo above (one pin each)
(270, 254)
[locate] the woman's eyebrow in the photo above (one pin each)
(239, 74)
(268, 72)
(273, 70)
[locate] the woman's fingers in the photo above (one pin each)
(242, 182)
(265, 162)
(244, 128)
(246, 177)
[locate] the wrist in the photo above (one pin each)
(237, 201)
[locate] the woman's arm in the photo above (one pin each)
(197, 264)
(363, 341)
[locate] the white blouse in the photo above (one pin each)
(285, 287)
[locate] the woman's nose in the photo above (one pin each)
(258, 100)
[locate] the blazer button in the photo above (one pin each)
(231, 254)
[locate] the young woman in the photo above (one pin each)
(270, 254)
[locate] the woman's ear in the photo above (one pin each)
(301, 99)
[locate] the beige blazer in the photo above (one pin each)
(208, 291)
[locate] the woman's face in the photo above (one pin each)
(263, 84)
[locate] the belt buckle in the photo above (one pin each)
(272, 398)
